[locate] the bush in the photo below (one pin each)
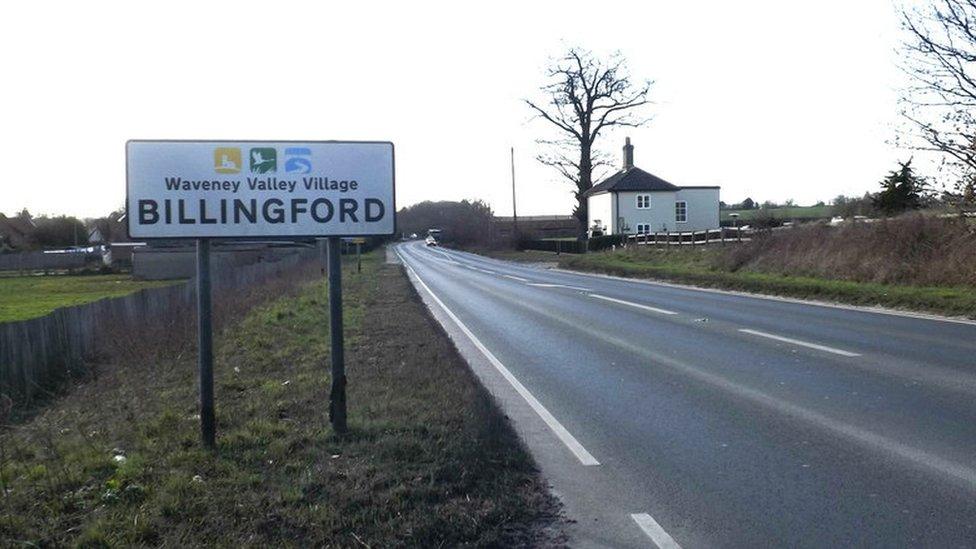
(913, 249)
(603, 242)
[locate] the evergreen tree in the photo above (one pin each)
(901, 190)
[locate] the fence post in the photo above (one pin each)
(738, 231)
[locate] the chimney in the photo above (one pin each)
(628, 155)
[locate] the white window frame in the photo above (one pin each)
(685, 218)
(647, 202)
(645, 226)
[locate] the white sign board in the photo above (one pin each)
(255, 189)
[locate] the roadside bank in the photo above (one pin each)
(428, 460)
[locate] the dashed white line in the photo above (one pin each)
(544, 285)
(513, 277)
(636, 305)
(557, 428)
(654, 531)
(816, 346)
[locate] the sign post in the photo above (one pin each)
(205, 344)
(337, 394)
(260, 190)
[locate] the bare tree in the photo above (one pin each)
(940, 57)
(584, 96)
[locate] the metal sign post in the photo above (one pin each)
(205, 344)
(337, 395)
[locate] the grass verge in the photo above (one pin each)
(23, 297)
(429, 461)
(682, 267)
(520, 256)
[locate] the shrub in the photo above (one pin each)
(912, 249)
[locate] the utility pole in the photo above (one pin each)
(514, 212)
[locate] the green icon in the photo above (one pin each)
(264, 160)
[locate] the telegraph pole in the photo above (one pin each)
(514, 212)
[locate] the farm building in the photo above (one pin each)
(536, 226)
(633, 201)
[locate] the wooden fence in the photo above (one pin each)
(37, 352)
(691, 238)
(687, 238)
(40, 261)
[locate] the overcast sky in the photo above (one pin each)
(772, 100)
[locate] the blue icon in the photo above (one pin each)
(298, 160)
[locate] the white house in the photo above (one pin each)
(633, 201)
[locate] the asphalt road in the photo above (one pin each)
(672, 416)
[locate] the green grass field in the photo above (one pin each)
(23, 297)
(798, 212)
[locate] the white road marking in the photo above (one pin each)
(964, 474)
(654, 531)
(557, 428)
(543, 285)
(445, 254)
(798, 301)
(824, 348)
(637, 305)
(513, 277)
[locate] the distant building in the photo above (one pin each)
(633, 201)
(108, 230)
(17, 232)
(536, 226)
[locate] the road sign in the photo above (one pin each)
(259, 189)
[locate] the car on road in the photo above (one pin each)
(431, 241)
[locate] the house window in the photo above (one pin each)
(643, 201)
(681, 212)
(643, 228)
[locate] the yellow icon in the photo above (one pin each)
(227, 160)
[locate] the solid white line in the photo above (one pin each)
(557, 428)
(798, 342)
(543, 285)
(654, 531)
(637, 305)
(513, 277)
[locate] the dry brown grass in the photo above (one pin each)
(428, 460)
(915, 249)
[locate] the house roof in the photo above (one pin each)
(19, 224)
(632, 179)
